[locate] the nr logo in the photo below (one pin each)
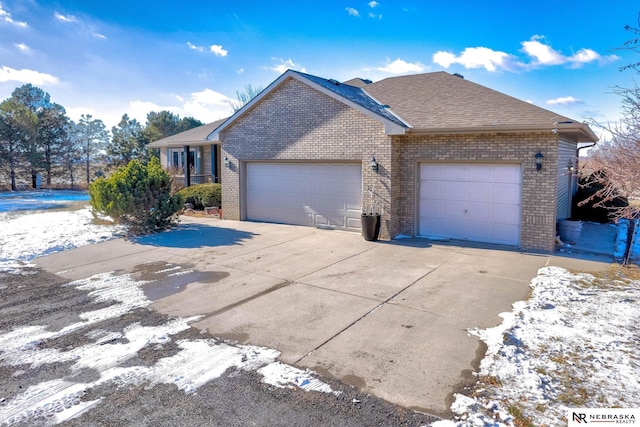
(579, 418)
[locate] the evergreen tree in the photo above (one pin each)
(128, 142)
(92, 138)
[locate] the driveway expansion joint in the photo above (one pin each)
(386, 301)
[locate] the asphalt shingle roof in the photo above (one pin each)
(356, 95)
(441, 100)
(191, 136)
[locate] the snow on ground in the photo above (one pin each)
(572, 344)
(29, 234)
(198, 362)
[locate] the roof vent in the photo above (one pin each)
(458, 75)
(367, 81)
(334, 82)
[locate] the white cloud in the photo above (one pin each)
(566, 100)
(240, 70)
(477, 57)
(99, 36)
(400, 66)
(23, 47)
(373, 4)
(65, 18)
(539, 53)
(194, 47)
(285, 65)
(8, 74)
(544, 54)
(206, 106)
(6, 17)
(351, 11)
(218, 50)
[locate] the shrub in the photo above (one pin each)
(138, 196)
(202, 195)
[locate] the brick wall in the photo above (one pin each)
(298, 123)
(538, 187)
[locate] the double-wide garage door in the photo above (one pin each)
(312, 194)
(478, 202)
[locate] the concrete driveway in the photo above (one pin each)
(387, 317)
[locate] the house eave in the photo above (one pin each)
(575, 131)
(194, 143)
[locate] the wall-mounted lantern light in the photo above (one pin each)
(374, 164)
(570, 166)
(538, 158)
(226, 161)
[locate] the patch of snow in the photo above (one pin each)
(572, 344)
(281, 375)
(28, 235)
(197, 362)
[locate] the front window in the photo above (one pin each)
(176, 158)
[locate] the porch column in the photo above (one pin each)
(186, 166)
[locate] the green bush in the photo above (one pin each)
(202, 195)
(138, 196)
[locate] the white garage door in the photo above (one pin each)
(312, 194)
(479, 202)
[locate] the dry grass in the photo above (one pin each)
(519, 419)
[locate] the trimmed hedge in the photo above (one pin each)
(202, 195)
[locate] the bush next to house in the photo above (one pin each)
(138, 196)
(202, 195)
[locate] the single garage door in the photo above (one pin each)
(478, 202)
(312, 194)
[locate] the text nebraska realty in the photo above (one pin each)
(604, 418)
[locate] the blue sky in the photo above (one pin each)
(107, 58)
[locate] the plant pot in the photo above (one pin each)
(370, 227)
(569, 230)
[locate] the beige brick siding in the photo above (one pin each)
(538, 187)
(298, 123)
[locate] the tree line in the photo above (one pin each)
(38, 139)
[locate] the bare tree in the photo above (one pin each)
(245, 96)
(616, 163)
(633, 44)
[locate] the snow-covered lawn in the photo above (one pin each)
(573, 343)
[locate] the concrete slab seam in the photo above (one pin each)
(368, 313)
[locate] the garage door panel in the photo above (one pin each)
(477, 191)
(506, 214)
(504, 234)
(323, 195)
(480, 202)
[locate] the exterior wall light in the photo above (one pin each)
(538, 158)
(570, 166)
(226, 161)
(374, 164)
